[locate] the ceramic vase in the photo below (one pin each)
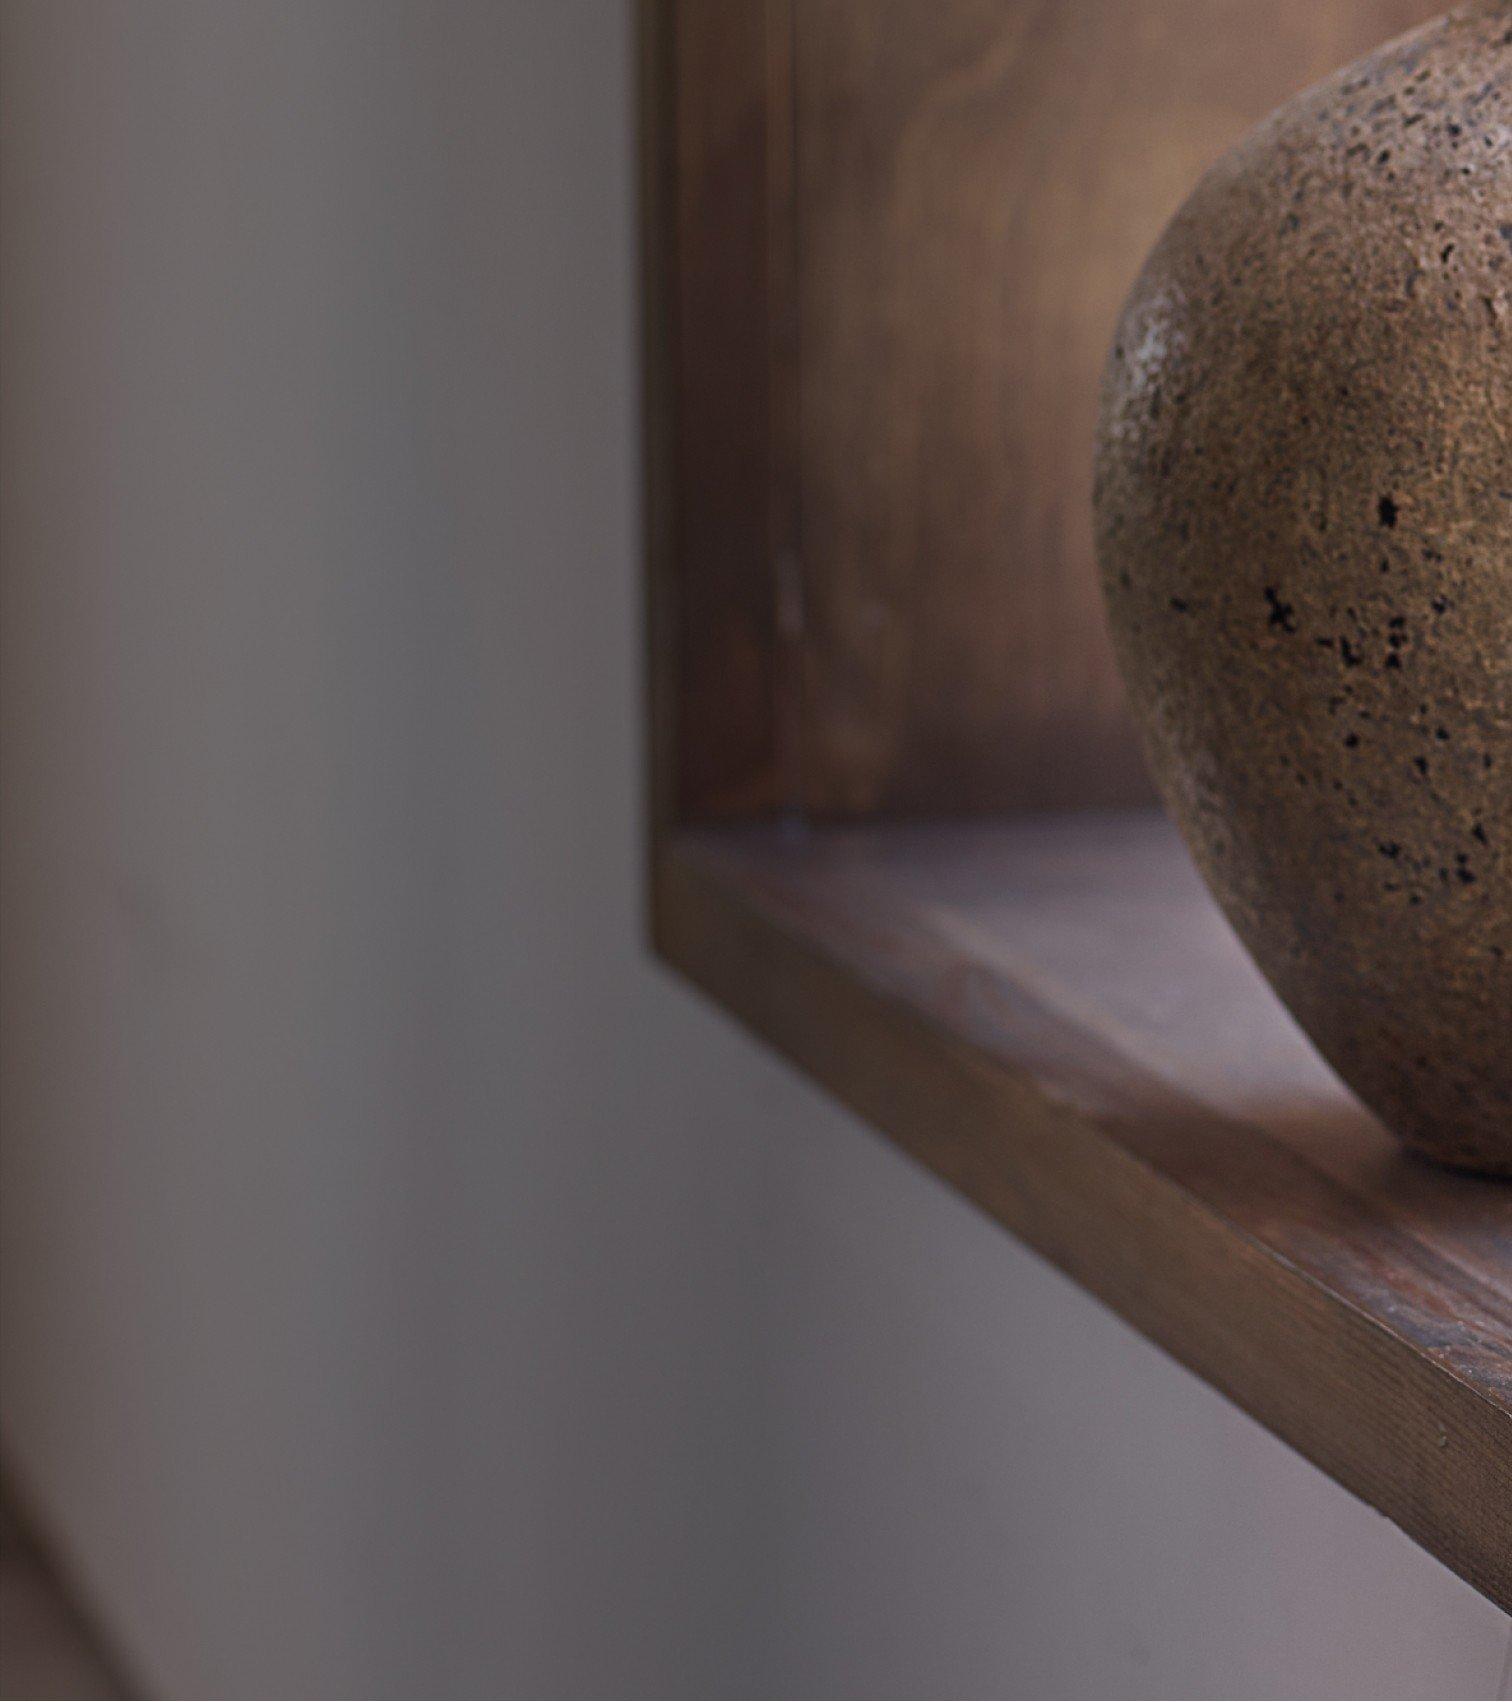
(1304, 519)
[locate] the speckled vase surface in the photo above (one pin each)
(1304, 517)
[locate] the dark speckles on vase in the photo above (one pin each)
(1305, 476)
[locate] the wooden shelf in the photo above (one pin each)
(1050, 1014)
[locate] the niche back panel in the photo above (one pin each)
(977, 184)
(898, 237)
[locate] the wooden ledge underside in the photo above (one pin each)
(1051, 1015)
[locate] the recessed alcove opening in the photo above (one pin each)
(900, 825)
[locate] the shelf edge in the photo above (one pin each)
(1376, 1413)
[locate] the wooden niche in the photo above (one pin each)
(900, 823)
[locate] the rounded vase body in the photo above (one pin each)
(1304, 520)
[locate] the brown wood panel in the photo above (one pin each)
(717, 211)
(1052, 1015)
(978, 181)
(656, 76)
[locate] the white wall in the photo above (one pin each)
(407, 1286)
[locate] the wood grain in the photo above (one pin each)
(1053, 1016)
(977, 185)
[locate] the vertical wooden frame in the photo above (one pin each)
(721, 341)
